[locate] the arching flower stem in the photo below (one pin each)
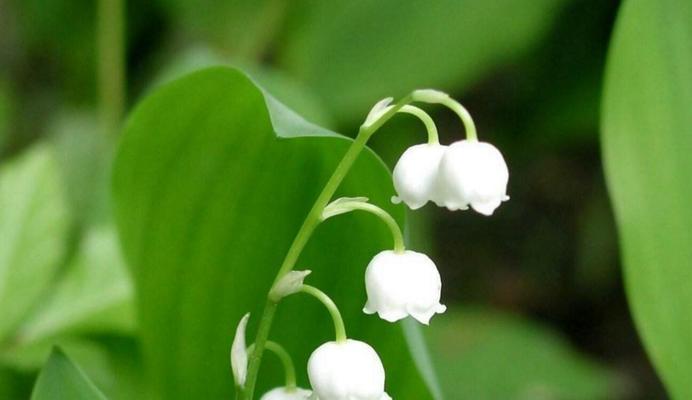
(339, 328)
(345, 205)
(436, 97)
(433, 137)
(285, 358)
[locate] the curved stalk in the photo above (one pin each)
(359, 204)
(437, 97)
(430, 127)
(286, 360)
(339, 328)
(464, 115)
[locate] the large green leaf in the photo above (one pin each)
(61, 379)
(212, 180)
(484, 354)
(282, 87)
(33, 225)
(352, 52)
(647, 139)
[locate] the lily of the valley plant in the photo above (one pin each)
(398, 282)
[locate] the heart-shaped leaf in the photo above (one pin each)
(647, 139)
(212, 180)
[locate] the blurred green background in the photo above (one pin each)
(537, 304)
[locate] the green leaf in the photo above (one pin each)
(212, 180)
(484, 354)
(94, 295)
(282, 87)
(352, 53)
(647, 137)
(33, 227)
(61, 379)
(112, 362)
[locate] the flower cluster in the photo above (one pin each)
(465, 173)
(399, 283)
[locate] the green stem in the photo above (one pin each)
(433, 137)
(436, 97)
(111, 70)
(464, 115)
(285, 358)
(303, 235)
(397, 235)
(339, 329)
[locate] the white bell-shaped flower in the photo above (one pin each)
(415, 174)
(284, 393)
(403, 284)
(349, 370)
(472, 173)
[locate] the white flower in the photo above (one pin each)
(349, 370)
(474, 173)
(283, 393)
(403, 284)
(415, 175)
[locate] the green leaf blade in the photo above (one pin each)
(647, 137)
(61, 379)
(34, 219)
(482, 353)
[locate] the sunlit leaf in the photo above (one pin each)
(647, 139)
(33, 226)
(212, 181)
(94, 295)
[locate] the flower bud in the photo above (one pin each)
(403, 284)
(239, 352)
(349, 370)
(377, 110)
(472, 173)
(288, 284)
(284, 393)
(415, 174)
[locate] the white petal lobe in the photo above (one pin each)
(473, 173)
(415, 174)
